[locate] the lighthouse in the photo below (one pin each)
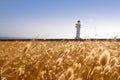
(78, 26)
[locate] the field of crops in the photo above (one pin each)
(59, 60)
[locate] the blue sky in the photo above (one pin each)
(57, 18)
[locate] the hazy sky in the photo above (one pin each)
(57, 18)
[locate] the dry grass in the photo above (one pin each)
(61, 60)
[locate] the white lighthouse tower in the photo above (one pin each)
(78, 26)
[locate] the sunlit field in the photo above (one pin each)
(59, 60)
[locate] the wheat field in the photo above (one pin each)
(59, 60)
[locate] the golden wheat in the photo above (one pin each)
(104, 58)
(59, 60)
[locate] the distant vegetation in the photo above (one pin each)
(60, 60)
